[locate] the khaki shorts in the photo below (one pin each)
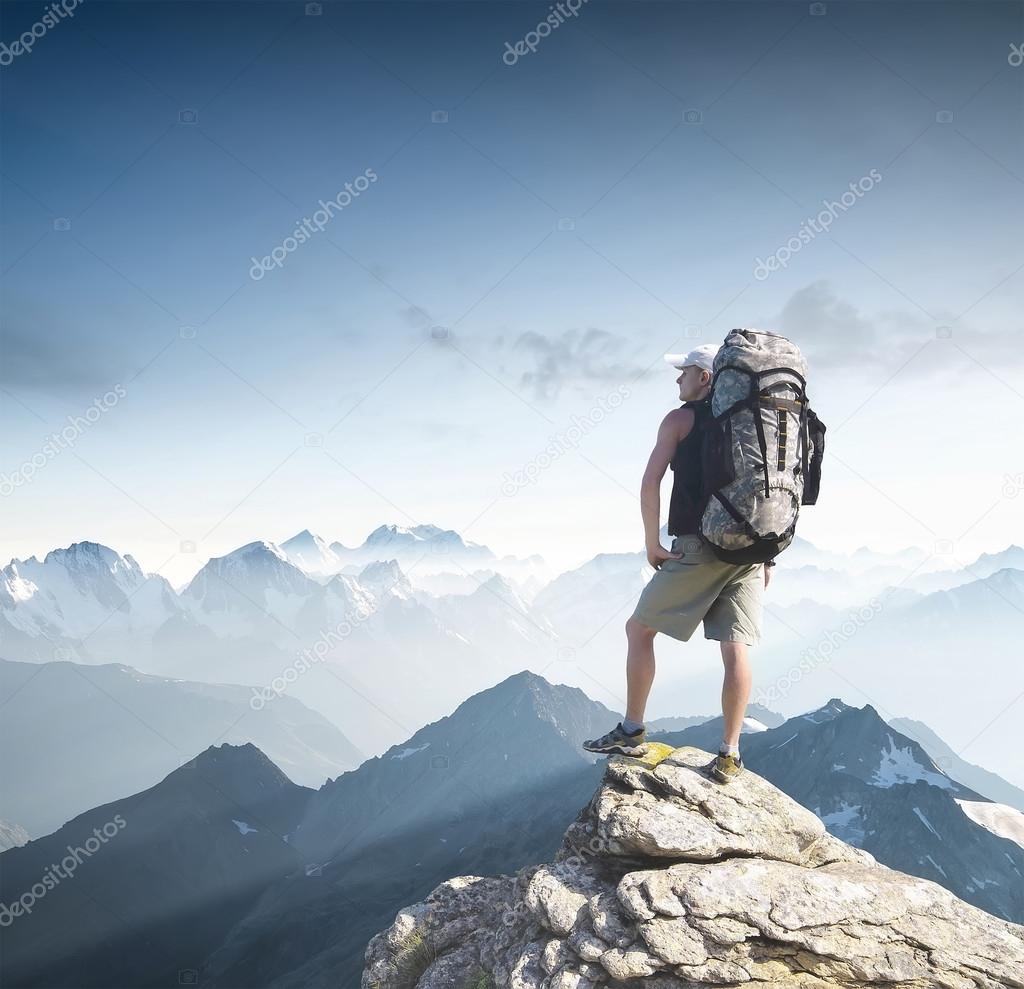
(727, 597)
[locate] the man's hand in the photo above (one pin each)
(657, 555)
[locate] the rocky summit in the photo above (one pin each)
(668, 880)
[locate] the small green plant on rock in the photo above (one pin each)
(412, 959)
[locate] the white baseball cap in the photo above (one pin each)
(702, 356)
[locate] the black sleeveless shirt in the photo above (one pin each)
(686, 483)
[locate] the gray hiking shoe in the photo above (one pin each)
(726, 768)
(617, 741)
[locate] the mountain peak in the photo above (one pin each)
(557, 704)
(409, 535)
(310, 552)
(385, 577)
(258, 548)
(832, 709)
(386, 533)
(91, 557)
(667, 876)
(235, 769)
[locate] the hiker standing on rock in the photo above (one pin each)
(762, 474)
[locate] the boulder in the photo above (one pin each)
(669, 880)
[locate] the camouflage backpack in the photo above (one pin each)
(761, 449)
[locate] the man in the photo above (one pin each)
(690, 584)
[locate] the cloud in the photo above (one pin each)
(835, 336)
(54, 362)
(576, 357)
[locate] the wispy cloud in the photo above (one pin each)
(49, 359)
(590, 356)
(835, 335)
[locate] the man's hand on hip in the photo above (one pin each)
(657, 555)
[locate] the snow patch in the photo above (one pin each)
(405, 753)
(1007, 822)
(847, 814)
(845, 823)
(924, 820)
(899, 766)
(243, 828)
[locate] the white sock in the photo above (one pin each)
(726, 749)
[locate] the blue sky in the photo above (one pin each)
(564, 221)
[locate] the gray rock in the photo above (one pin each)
(668, 880)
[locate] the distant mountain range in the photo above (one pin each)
(383, 637)
(85, 735)
(231, 875)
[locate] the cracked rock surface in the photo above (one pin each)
(668, 880)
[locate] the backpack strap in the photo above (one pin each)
(755, 407)
(748, 529)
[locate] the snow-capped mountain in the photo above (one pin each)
(312, 554)
(946, 656)
(496, 619)
(253, 590)
(421, 549)
(390, 654)
(365, 648)
(84, 592)
(1006, 822)
(992, 786)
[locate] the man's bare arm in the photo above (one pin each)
(674, 427)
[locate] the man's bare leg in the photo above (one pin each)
(639, 668)
(735, 690)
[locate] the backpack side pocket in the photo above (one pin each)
(816, 440)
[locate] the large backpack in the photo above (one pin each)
(761, 449)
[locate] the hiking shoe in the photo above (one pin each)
(726, 767)
(618, 741)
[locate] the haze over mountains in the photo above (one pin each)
(227, 872)
(95, 733)
(383, 637)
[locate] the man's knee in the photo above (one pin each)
(733, 651)
(637, 629)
